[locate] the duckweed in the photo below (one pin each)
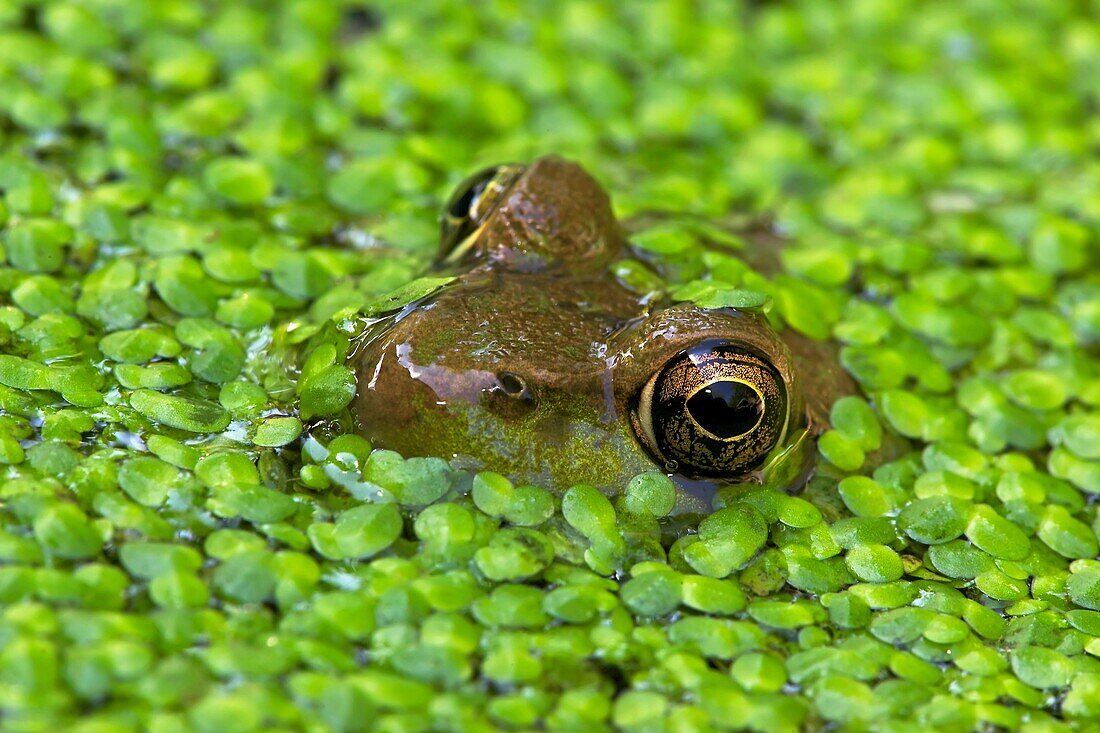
(200, 202)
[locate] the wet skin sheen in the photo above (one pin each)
(537, 363)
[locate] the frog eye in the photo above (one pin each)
(470, 205)
(713, 410)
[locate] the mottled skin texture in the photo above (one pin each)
(530, 360)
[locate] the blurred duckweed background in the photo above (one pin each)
(194, 195)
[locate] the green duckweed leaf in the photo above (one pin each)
(185, 413)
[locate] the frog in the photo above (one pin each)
(539, 361)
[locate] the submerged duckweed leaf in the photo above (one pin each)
(1067, 536)
(150, 559)
(853, 418)
(241, 181)
(934, 520)
(664, 239)
(23, 373)
(183, 286)
(530, 506)
(155, 376)
(363, 186)
(514, 554)
(276, 431)
(445, 526)
(255, 503)
(840, 450)
(66, 532)
(710, 595)
(37, 245)
(1083, 587)
(652, 594)
(246, 577)
(588, 511)
(492, 493)
(361, 532)
(397, 299)
(412, 482)
(147, 480)
(905, 412)
(301, 275)
(138, 346)
(996, 535)
(728, 539)
(1080, 434)
(185, 413)
(713, 295)
(1041, 667)
(651, 493)
(327, 392)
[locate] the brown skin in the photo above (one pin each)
(535, 360)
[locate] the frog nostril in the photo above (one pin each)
(511, 394)
(511, 384)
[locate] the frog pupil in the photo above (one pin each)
(463, 206)
(727, 408)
